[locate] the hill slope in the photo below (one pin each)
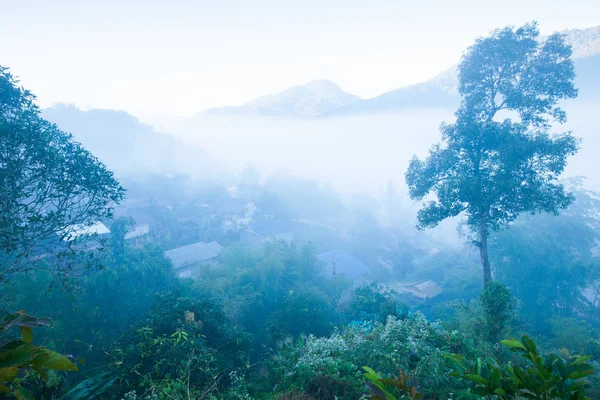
(123, 143)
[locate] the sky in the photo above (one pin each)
(176, 58)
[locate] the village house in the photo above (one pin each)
(143, 224)
(97, 229)
(235, 213)
(191, 260)
(85, 237)
(416, 291)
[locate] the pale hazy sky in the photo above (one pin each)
(173, 58)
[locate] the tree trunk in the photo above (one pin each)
(483, 252)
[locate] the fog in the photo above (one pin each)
(356, 153)
(585, 163)
(352, 153)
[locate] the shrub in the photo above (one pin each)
(372, 302)
(329, 368)
(544, 377)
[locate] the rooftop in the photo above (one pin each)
(193, 253)
(421, 289)
(74, 231)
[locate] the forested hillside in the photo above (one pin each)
(125, 144)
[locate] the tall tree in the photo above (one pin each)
(499, 159)
(52, 188)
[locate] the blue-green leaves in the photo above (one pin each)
(550, 377)
(499, 159)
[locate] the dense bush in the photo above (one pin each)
(275, 293)
(551, 376)
(182, 347)
(329, 368)
(373, 302)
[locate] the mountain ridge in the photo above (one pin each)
(305, 101)
(441, 91)
(438, 92)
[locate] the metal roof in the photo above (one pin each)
(75, 231)
(193, 253)
(422, 289)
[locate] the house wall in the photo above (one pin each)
(195, 271)
(239, 219)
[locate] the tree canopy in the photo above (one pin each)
(52, 188)
(500, 159)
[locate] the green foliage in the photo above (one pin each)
(20, 356)
(182, 348)
(482, 321)
(330, 367)
(373, 302)
(322, 368)
(549, 261)
(51, 386)
(51, 187)
(118, 230)
(544, 377)
(113, 300)
(274, 293)
(575, 335)
(119, 296)
(498, 305)
(398, 387)
(302, 310)
(494, 170)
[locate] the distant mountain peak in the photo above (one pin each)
(323, 98)
(441, 91)
(585, 42)
(303, 101)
